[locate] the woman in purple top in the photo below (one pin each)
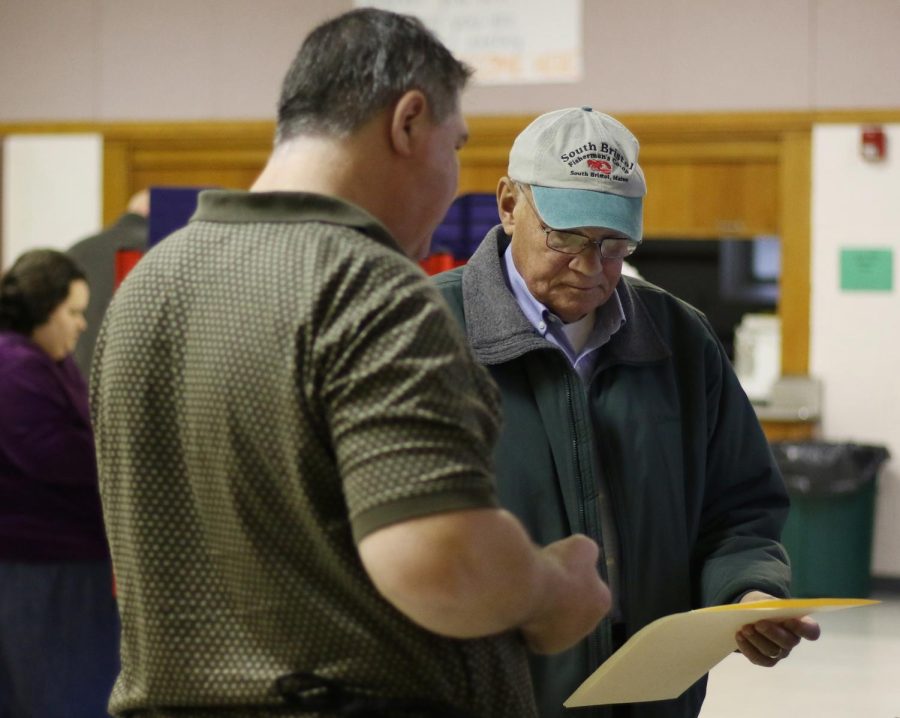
(58, 621)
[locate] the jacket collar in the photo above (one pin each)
(498, 331)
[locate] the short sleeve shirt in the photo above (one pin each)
(272, 383)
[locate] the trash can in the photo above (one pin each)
(828, 534)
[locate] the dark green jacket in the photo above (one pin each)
(697, 498)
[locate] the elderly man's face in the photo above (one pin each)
(569, 285)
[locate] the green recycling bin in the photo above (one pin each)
(828, 534)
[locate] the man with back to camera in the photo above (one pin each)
(294, 442)
(97, 255)
(623, 419)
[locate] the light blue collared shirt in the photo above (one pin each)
(608, 320)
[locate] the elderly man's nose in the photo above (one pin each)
(589, 259)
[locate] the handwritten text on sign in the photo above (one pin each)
(506, 41)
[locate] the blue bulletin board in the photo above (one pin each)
(170, 210)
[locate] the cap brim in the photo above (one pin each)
(572, 208)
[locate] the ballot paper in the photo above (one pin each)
(666, 657)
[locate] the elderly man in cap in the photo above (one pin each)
(623, 418)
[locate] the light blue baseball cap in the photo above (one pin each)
(583, 171)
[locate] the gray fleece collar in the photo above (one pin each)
(498, 331)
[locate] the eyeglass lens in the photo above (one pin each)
(572, 243)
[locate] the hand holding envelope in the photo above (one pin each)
(666, 657)
(767, 642)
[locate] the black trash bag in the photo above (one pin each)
(821, 468)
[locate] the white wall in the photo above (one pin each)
(855, 336)
(224, 59)
(52, 191)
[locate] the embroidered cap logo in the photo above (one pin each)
(600, 166)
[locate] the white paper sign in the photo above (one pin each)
(506, 41)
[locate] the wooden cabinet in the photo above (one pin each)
(700, 199)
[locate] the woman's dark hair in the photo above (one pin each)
(37, 283)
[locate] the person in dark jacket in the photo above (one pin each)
(623, 419)
(58, 620)
(96, 255)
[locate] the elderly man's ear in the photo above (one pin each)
(507, 196)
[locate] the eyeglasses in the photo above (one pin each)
(566, 242)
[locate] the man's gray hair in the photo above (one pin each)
(356, 65)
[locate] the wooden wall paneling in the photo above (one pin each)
(485, 158)
(140, 155)
(480, 178)
(152, 176)
(194, 154)
(710, 199)
(709, 186)
(737, 175)
(795, 187)
(117, 178)
(707, 126)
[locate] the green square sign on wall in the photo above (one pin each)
(868, 270)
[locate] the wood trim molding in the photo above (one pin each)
(795, 188)
(166, 132)
(489, 129)
(116, 178)
(692, 139)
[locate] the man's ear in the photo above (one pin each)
(410, 113)
(507, 197)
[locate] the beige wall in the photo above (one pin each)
(854, 347)
(223, 59)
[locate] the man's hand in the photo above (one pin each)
(767, 642)
(574, 599)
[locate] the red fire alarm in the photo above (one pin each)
(874, 143)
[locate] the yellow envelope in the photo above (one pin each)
(666, 657)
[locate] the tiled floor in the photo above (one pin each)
(852, 671)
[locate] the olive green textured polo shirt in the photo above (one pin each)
(272, 383)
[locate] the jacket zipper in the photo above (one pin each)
(595, 646)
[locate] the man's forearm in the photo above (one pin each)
(474, 573)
